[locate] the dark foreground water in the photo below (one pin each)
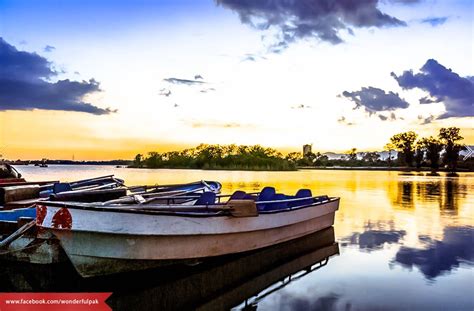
(401, 241)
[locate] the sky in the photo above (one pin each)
(98, 80)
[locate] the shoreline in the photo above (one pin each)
(379, 168)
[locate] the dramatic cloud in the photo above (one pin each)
(442, 85)
(49, 48)
(25, 85)
(434, 21)
(375, 99)
(183, 81)
(320, 19)
(440, 257)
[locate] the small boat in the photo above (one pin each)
(20, 241)
(8, 174)
(102, 239)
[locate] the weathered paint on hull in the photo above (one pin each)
(34, 251)
(94, 254)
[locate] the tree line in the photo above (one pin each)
(429, 151)
(412, 151)
(204, 156)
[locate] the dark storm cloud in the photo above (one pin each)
(25, 85)
(321, 19)
(441, 257)
(442, 85)
(49, 48)
(183, 81)
(434, 21)
(375, 99)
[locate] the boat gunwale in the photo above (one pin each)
(209, 213)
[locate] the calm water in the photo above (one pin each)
(406, 240)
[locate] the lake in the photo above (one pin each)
(406, 242)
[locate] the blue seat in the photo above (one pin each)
(250, 197)
(301, 194)
(277, 205)
(238, 195)
(206, 198)
(61, 187)
(266, 194)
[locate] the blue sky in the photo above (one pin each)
(144, 75)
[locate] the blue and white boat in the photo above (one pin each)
(114, 237)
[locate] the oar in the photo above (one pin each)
(79, 182)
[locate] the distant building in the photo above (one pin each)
(307, 149)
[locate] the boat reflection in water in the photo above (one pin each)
(237, 281)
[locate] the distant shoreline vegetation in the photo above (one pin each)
(218, 157)
(439, 153)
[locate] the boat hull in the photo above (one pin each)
(129, 241)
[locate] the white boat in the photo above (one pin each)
(107, 239)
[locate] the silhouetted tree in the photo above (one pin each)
(449, 137)
(432, 147)
(405, 143)
(389, 147)
(137, 162)
(419, 153)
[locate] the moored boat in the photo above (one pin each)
(8, 174)
(19, 239)
(104, 239)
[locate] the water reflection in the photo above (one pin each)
(440, 257)
(217, 284)
(375, 239)
(398, 233)
(415, 191)
(330, 302)
(374, 236)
